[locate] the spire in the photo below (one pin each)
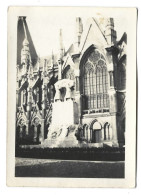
(61, 44)
(52, 58)
(25, 55)
(30, 70)
(23, 18)
(25, 51)
(60, 61)
(110, 33)
(24, 40)
(79, 30)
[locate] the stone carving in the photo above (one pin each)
(64, 83)
(89, 67)
(62, 136)
(22, 122)
(94, 56)
(101, 62)
(54, 135)
(25, 52)
(95, 60)
(36, 121)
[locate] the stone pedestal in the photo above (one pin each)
(62, 130)
(63, 113)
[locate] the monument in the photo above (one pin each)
(63, 129)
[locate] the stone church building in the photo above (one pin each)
(76, 97)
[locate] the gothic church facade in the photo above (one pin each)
(91, 75)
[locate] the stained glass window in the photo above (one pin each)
(95, 81)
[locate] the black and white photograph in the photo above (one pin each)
(71, 90)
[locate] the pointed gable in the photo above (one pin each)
(92, 34)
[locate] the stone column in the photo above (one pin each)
(29, 107)
(29, 99)
(27, 127)
(21, 132)
(77, 83)
(113, 113)
(110, 132)
(84, 132)
(102, 134)
(45, 102)
(112, 53)
(45, 75)
(114, 132)
(111, 79)
(112, 91)
(17, 98)
(42, 130)
(77, 93)
(89, 134)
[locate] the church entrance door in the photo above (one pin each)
(96, 133)
(96, 136)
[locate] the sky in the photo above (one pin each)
(44, 31)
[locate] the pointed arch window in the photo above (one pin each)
(94, 78)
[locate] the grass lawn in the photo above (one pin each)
(68, 168)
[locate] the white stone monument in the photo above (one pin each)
(64, 119)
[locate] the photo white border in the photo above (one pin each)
(129, 180)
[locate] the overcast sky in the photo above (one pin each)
(45, 31)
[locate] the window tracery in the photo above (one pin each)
(95, 81)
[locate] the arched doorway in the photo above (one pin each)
(96, 133)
